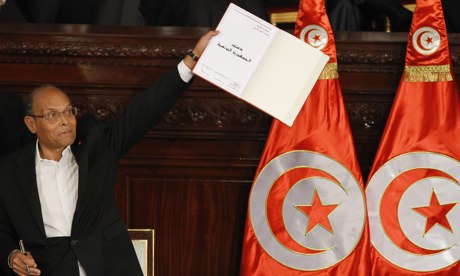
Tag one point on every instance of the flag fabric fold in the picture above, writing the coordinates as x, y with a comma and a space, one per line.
413, 189
307, 213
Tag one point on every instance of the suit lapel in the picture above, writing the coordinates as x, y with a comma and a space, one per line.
27, 177
81, 157
28, 182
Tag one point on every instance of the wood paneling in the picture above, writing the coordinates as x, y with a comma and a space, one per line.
189, 178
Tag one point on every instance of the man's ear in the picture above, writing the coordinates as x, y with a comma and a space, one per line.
30, 123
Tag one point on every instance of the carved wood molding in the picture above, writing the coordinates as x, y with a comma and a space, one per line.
207, 113
215, 113
89, 53
97, 53
81, 41
220, 114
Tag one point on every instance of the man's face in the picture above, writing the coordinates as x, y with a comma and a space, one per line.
52, 135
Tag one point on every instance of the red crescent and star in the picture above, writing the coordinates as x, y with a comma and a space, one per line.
435, 213
317, 213
429, 40
316, 37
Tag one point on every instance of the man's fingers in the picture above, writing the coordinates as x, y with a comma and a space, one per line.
20, 270
203, 42
30, 260
23, 270
24, 264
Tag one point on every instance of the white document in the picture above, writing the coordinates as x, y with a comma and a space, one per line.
261, 64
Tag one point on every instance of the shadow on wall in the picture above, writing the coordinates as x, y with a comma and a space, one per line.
13, 132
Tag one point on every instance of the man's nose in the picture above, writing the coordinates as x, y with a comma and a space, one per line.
63, 119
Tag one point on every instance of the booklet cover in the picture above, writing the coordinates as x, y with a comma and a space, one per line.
261, 64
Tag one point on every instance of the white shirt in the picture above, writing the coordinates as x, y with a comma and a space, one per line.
185, 73
57, 183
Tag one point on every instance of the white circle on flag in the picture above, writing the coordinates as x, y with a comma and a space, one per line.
412, 224
426, 40
347, 219
315, 35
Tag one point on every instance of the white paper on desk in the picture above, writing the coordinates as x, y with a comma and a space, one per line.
261, 64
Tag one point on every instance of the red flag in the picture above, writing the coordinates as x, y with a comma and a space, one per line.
413, 191
306, 208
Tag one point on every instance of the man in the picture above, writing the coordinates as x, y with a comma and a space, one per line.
57, 193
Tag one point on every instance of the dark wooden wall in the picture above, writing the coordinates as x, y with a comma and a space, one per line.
190, 177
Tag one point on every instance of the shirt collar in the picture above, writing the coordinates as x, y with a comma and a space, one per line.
67, 156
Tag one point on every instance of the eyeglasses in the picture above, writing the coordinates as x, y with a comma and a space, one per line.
54, 115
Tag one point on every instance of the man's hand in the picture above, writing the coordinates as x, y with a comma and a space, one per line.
23, 264
199, 48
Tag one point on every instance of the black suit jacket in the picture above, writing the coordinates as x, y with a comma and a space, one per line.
99, 239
